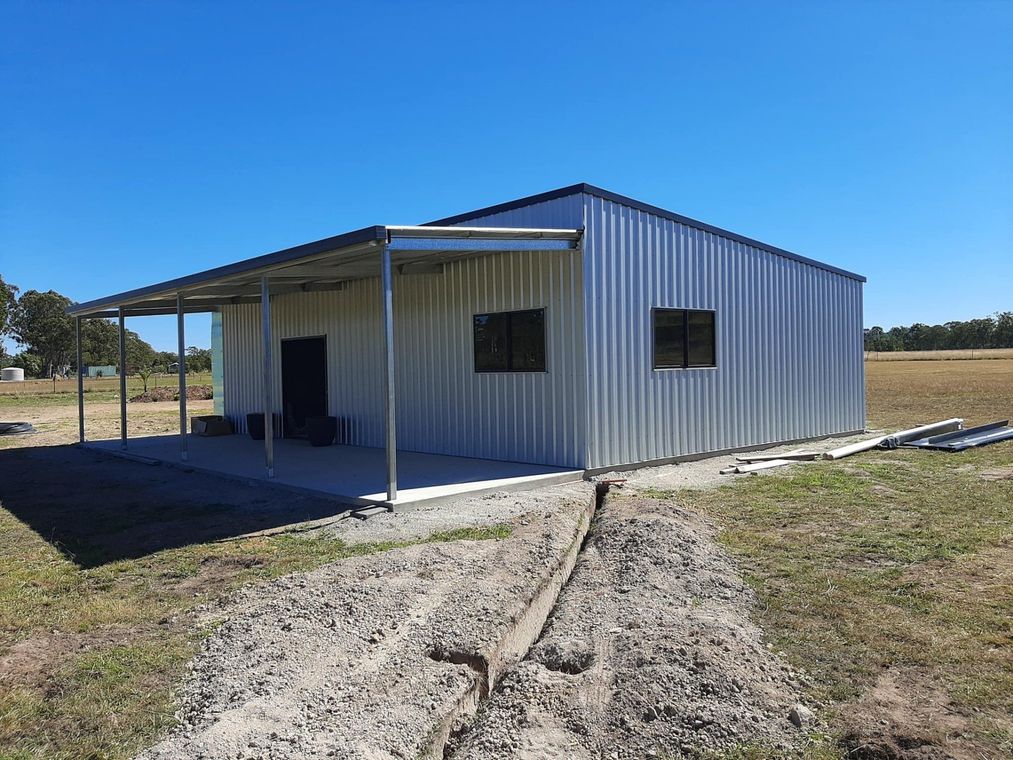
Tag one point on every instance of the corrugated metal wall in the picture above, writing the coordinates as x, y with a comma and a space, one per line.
789, 342
443, 406
789, 346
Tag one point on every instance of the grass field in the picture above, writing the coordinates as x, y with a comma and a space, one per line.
30, 393
960, 353
889, 575
99, 597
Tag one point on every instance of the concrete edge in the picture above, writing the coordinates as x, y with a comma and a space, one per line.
346, 501
537, 481
352, 503
710, 454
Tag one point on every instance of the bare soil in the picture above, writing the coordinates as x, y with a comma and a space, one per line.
649, 652
57, 424
373, 657
649, 649
905, 716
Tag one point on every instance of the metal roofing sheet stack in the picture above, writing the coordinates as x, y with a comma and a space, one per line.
967, 438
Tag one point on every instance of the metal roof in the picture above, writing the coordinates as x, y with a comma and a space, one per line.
327, 264
583, 187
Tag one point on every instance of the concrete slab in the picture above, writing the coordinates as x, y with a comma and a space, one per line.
354, 475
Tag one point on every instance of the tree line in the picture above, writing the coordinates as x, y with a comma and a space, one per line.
987, 332
38, 322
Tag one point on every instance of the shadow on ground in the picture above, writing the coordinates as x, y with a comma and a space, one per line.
97, 509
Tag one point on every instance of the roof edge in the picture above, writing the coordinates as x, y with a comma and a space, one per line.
599, 192
366, 234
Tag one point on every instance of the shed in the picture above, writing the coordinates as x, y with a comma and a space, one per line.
573, 331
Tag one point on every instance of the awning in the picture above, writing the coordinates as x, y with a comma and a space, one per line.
327, 264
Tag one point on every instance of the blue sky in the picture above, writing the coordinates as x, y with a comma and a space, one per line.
141, 141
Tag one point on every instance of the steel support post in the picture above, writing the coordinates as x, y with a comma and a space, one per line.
123, 378
181, 366
388, 344
265, 328
80, 382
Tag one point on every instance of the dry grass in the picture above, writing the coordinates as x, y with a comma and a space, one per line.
97, 385
92, 642
904, 393
91, 650
889, 575
921, 356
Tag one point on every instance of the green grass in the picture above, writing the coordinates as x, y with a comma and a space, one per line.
40, 393
61, 398
900, 560
114, 639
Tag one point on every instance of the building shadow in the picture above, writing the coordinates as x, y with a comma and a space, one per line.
98, 509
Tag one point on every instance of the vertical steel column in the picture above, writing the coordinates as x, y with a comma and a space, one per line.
388, 344
265, 328
181, 344
123, 379
80, 382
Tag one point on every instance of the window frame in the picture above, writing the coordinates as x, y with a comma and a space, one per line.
685, 339
509, 370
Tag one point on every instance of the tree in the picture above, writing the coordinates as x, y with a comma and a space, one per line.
29, 362
8, 302
99, 343
40, 322
198, 359
139, 353
987, 332
145, 374
875, 339
1002, 333
165, 358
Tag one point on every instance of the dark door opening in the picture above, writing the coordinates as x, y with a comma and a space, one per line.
303, 383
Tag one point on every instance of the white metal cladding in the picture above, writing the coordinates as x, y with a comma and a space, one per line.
789, 342
443, 405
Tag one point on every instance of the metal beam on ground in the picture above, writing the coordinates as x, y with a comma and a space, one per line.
181, 363
265, 327
123, 378
387, 300
80, 382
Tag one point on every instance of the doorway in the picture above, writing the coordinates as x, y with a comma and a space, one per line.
303, 383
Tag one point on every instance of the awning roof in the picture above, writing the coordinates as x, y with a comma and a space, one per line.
326, 264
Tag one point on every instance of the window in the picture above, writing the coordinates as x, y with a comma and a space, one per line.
510, 341
684, 338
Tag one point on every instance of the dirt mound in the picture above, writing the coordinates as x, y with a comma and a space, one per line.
649, 652
193, 393
377, 656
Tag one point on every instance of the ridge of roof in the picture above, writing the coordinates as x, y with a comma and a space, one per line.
599, 192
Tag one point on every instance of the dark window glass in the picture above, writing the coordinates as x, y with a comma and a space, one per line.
684, 338
700, 351
527, 341
669, 337
510, 341
491, 340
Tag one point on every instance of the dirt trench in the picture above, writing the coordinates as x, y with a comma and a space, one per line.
602, 628
381, 656
649, 651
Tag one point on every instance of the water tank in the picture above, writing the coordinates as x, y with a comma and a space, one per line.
12, 374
